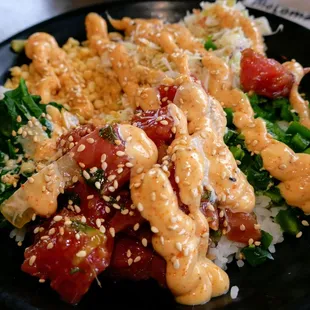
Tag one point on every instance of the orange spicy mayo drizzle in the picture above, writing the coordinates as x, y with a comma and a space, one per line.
181, 239
45, 53
281, 162
300, 105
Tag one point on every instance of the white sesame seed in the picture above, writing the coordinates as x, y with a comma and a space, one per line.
41, 280
36, 230
31, 180
257, 243
107, 209
57, 218
182, 232
75, 179
90, 140
18, 119
61, 231
186, 251
139, 170
164, 122
111, 189
86, 175
106, 198
102, 229
162, 240
68, 223
256, 226
173, 227
140, 207
128, 254
177, 179
90, 197
125, 211
51, 231
136, 226
32, 260
77, 236
83, 219
299, 234
254, 142
111, 177
115, 184
112, 231
116, 206
153, 196
119, 170
221, 213
130, 261
136, 185
137, 259
81, 148
50, 246
305, 223
179, 246
154, 230
176, 264
205, 235
144, 242
82, 165
93, 169
104, 166
98, 185
120, 153
251, 241
242, 227
129, 165
98, 223
282, 167
81, 253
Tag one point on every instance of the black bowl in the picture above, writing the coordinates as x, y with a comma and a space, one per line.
279, 284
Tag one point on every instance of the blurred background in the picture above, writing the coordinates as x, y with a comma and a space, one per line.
17, 15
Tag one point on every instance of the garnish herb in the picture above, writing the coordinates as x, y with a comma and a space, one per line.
108, 134
255, 255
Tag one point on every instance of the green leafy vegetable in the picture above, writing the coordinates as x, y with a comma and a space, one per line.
265, 240
298, 143
97, 178
79, 226
255, 255
215, 235
237, 152
74, 270
229, 116
108, 134
296, 127
206, 195
209, 44
288, 221
275, 195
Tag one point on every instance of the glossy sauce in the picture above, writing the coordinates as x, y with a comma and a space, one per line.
192, 278
300, 105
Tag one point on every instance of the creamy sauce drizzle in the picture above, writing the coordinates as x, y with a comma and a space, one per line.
300, 105
39, 194
292, 172
45, 53
192, 277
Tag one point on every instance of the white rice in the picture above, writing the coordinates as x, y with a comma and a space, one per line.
226, 250
234, 292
